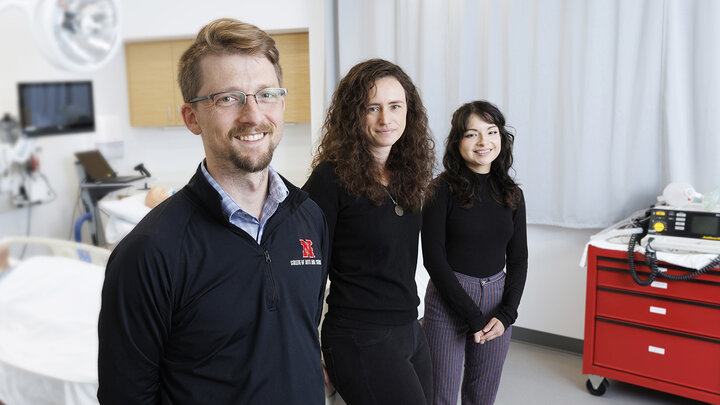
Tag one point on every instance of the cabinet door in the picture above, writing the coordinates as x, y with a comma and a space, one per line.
155, 97
653, 353
295, 63
177, 48
682, 316
151, 88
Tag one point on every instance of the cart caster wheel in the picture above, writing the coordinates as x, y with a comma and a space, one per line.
600, 390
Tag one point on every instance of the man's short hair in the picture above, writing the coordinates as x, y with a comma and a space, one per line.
224, 36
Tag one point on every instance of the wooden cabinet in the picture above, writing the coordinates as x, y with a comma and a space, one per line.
155, 97
153, 91
664, 336
295, 62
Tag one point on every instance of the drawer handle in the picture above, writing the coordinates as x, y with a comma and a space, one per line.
655, 349
658, 310
659, 284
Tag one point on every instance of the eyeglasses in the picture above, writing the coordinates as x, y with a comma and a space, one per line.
266, 98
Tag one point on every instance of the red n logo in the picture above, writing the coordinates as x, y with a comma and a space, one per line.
307, 249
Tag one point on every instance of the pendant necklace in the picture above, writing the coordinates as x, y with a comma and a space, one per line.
398, 209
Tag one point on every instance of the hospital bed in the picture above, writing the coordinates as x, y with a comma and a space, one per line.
120, 215
49, 305
120, 211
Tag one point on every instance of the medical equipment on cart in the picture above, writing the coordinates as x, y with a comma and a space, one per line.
682, 232
19, 167
686, 229
687, 234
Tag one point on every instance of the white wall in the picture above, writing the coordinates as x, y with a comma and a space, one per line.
170, 154
23, 62
554, 298
555, 293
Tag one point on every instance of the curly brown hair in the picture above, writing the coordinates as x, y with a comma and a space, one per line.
345, 142
501, 187
220, 37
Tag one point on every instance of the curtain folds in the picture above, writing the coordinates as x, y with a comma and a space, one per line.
610, 99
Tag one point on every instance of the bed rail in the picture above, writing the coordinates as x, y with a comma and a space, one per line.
64, 248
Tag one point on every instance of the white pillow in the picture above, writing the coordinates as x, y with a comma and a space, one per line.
131, 209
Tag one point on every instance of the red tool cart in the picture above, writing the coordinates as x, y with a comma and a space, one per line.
664, 336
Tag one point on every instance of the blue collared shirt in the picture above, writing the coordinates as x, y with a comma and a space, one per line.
277, 192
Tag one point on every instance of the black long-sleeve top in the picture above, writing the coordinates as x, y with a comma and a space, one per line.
477, 241
196, 311
373, 256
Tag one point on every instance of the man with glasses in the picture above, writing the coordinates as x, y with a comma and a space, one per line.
215, 297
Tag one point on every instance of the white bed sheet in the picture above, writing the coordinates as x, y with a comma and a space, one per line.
123, 215
49, 309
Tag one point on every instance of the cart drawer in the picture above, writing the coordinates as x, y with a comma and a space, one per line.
695, 290
712, 275
684, 360
653, 311
619, 260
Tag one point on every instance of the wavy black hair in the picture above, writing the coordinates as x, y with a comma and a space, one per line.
501, 187
411, 161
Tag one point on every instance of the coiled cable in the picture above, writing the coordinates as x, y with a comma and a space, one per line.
651, 260
631, 262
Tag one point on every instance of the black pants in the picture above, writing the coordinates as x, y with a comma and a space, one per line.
377, 364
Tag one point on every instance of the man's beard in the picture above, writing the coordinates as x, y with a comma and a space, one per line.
255, 163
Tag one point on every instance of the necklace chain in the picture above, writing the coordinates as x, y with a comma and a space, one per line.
389, 195
398, 209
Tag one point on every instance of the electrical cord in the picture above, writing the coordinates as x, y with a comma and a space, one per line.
631, 262
27, 193
638, 223
74, 214
53, 195
651, 261
685, 277
27, 231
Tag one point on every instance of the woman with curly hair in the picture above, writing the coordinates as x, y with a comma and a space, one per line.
370, 173
473, 227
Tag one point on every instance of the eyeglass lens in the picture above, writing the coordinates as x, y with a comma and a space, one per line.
262, 97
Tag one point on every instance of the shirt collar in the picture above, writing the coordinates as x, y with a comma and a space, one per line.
277, 191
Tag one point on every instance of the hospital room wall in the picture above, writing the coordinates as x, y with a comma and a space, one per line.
183, 20
23, 62
171, 154
554, 297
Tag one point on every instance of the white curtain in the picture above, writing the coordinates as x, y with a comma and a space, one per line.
610, 99
691, 99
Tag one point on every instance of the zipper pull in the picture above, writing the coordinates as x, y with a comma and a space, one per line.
267, 256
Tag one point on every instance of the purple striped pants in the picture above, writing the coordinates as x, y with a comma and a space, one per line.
450, 341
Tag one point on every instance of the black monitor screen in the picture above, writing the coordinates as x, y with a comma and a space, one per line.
56, 108
705, 225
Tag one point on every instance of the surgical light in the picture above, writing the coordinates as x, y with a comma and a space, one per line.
75, 35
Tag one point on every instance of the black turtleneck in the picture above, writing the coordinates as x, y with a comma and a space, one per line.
373, 255
477, 241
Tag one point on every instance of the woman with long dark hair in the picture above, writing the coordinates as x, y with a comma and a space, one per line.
473, 227
370, 174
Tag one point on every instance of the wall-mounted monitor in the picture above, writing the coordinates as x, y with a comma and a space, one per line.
54, 108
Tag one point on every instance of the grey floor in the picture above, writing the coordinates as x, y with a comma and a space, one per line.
538, 375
